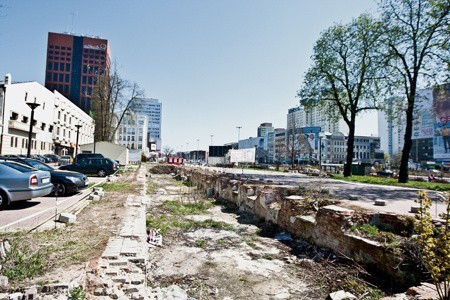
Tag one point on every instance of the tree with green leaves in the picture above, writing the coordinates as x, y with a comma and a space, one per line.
417, 40
344, 78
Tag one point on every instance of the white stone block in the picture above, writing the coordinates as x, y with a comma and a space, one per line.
99, 193
67, 218
94, 197
379, 202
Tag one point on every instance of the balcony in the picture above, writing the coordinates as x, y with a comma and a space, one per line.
19, 125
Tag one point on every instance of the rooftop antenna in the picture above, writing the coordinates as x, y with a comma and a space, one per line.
74, 14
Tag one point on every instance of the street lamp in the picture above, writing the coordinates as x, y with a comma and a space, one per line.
239, 135
33, 106
211, 135
78, 133
321, 135
197, 150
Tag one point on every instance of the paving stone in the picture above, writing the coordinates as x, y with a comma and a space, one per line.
379, 202
15, 296
31, 293
120, 279
3, 281
415, 209
4, 296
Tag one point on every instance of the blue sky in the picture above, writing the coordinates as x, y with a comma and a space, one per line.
213, 64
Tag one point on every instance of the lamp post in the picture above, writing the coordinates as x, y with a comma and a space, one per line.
197, 150
211, 135
239, 135
321, 135
33, 106
78, 133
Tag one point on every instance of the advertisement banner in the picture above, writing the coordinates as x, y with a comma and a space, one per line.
441, 111
243, 155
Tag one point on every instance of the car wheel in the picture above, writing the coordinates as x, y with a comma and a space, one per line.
3, 200
101, 173
60, 189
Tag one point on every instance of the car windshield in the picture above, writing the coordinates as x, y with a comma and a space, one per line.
39, 165
18, 167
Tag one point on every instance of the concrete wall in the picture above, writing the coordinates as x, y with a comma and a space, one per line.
116, 152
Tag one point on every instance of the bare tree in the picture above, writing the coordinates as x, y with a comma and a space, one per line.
417, 36
112, 98
168, 151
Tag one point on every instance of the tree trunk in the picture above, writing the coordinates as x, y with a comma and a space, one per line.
350, 144
403, 172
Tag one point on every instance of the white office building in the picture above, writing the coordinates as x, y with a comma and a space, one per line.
133, 132
55, 120
152, 108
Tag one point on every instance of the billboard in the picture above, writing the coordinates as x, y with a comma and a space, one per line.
441, 111
243, 155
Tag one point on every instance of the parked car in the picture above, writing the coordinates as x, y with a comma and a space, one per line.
53, 157
386, 173
81, 156
65, 182
19, 182
100, 166
64, 160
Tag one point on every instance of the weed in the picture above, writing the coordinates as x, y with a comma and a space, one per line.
179, 208
210, 264
267, 256
365, 228
201, 243
167, 224
122, 187
243, 279
77, 294
20, 266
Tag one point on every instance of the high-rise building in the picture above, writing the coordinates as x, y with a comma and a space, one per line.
74, 64
152, 108
264, 129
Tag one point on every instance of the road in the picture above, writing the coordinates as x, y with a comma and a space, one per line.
398, 199
30, 214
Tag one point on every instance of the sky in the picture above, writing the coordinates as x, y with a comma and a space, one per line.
215, 65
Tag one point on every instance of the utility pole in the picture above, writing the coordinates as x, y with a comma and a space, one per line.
239, 135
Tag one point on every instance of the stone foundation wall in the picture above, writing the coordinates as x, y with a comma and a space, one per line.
326, 227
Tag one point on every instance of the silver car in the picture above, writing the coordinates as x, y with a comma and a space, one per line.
19, 182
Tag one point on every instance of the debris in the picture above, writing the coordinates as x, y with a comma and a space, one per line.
154, 237
341, 295
5, 247
283, 236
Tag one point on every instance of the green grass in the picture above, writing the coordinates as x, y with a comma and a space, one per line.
122, 187
167, 224
179, 208
393, 181
365, 228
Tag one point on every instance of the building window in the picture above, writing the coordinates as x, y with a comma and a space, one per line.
14, 116
24, 119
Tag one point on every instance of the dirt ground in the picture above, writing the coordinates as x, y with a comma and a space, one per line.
238, 257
